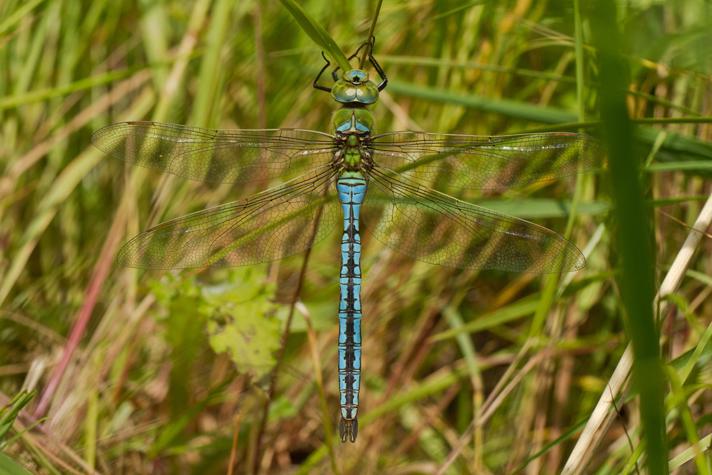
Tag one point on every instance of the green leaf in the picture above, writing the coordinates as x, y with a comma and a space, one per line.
317, 34
242, 321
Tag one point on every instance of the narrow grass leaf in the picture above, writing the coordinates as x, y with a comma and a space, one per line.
700, 165
688, 454
633, 237
500, 316
510, 108
210, 71
317, 33
18, 15
9, 413
540, 208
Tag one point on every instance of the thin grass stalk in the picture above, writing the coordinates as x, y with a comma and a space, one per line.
470, 355
90, 429
326, 419
96, 283
261, 69
185, 50
368, 49
66, 89
488, 411
232, 464
45, 452
566, 364
211, 74
262, 424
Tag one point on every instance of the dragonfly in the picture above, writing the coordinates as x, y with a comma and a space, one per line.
327, 179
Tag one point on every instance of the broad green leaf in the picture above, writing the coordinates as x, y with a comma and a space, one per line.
237, 315
242, 321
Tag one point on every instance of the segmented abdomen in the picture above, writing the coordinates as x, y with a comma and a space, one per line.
351, 190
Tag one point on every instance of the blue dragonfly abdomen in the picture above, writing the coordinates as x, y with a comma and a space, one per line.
351, 188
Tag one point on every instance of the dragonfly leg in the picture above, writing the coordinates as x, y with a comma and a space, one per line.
318, 76
384, 80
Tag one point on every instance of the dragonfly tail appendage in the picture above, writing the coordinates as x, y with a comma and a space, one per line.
348, 429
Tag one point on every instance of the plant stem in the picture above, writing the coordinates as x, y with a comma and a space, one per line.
285, 335
368, 49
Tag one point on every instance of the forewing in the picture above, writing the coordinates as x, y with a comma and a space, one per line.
496, 163
439, 229
270, 225
216, 156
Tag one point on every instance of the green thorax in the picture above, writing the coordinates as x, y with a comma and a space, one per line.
353, 123
353, 126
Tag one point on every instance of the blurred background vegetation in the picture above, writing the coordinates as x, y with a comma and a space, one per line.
464, 372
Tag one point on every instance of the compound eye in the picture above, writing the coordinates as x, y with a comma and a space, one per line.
356, 76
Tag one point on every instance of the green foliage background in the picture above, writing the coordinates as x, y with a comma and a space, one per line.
464, 372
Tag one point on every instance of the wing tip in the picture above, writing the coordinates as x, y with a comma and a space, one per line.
569, 259
98, 135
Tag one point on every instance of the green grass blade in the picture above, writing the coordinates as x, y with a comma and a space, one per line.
693, 165
18, 15
9, 413
514, 311
211, 73
317, 33
65, 89
680, 400
519, 110
689, 454
542, 208
634, 236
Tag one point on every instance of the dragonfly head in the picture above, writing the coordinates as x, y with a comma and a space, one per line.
354, 87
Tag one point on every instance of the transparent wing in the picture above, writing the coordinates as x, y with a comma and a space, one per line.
439, 229
497, 163
215, 156
270, 225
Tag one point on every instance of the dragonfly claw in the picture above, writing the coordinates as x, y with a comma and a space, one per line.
348, 429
